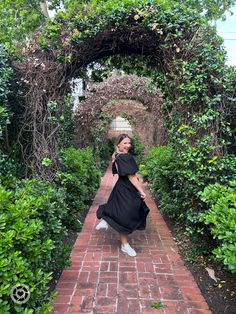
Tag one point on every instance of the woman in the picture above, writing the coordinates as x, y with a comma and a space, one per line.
125, 210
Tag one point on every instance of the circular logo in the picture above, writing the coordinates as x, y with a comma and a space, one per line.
20, 293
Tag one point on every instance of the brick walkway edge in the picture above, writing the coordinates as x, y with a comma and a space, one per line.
102, 279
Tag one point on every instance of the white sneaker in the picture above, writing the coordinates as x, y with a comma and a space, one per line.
126, 248
102, 225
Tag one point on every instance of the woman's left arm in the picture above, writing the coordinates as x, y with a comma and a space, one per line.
135, 181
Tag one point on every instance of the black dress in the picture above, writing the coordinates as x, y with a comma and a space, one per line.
125, 210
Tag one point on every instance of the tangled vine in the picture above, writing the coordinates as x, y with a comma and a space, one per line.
185, 52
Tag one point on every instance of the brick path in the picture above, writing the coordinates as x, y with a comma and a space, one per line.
102, 279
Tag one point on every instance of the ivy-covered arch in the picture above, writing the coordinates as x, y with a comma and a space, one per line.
105, 96
183, 55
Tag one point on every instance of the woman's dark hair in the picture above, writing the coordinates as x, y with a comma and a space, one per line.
120, 138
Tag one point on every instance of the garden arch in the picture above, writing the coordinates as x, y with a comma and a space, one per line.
182, 51
137, 117
127, 95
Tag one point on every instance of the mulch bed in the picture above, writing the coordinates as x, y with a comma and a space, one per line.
220, 296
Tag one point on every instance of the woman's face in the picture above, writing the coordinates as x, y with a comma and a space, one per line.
124, 145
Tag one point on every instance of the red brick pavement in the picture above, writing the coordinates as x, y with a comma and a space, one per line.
102, 279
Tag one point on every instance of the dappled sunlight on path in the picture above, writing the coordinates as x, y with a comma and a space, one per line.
102, 279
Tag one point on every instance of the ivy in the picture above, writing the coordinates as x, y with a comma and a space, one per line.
5, 73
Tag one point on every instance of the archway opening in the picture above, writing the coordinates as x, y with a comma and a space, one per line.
119, 125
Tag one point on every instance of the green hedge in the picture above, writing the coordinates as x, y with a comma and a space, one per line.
80, 177
137, 148
221, 218
34, 216
179, 193
31, 244
51, 209
160, 167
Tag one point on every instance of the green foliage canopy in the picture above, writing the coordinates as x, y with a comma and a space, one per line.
17, 19
212, 9
20, 17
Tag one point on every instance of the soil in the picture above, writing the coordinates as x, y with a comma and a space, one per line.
220, 295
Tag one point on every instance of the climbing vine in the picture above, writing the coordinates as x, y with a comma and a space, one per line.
183, 56
5, 73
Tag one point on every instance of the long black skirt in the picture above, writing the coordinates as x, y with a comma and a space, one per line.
125, 211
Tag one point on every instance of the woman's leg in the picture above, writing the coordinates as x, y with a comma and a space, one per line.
123, 238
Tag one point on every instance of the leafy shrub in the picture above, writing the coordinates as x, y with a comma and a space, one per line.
26, 249
67, 124
50, 207
222, 220
7, 171
226, 170
160, 166
177, 183
99, 141
105, 153
198, 166
3, 119
10, 171
80, 178
137, 148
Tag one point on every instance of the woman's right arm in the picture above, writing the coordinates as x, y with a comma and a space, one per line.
135, 181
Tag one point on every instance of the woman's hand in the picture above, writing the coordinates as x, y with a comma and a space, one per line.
143, 195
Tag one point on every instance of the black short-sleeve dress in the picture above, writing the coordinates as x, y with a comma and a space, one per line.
125, 210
